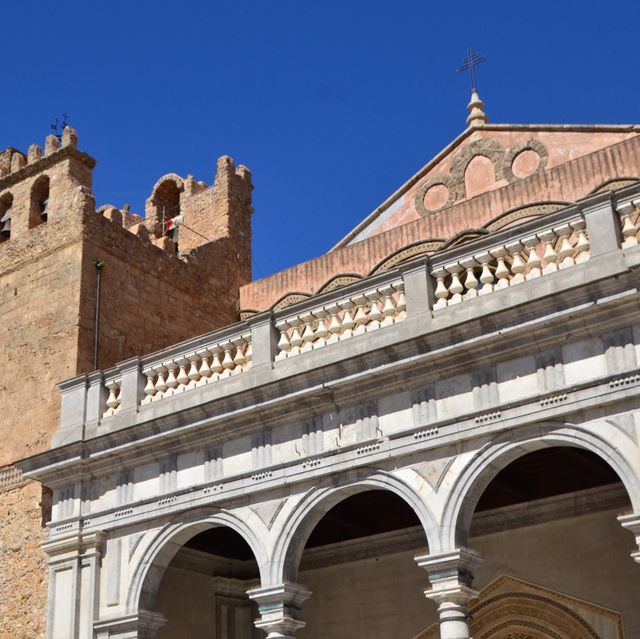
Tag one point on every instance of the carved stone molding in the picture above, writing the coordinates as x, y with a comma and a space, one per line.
514, 152
489, 149
444, 180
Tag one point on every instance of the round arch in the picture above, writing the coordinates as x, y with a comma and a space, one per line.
297, 524
170, 538
476, 475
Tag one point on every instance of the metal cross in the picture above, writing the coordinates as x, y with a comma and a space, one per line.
471, 60
58, 127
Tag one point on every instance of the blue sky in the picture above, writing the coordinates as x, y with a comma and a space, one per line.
332, 105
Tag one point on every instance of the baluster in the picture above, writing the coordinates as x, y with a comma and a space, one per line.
486, 276
582, 246
205, 370
441, 292
630, 229
335, 323
375, 314
248, 351
470, 279
533, 261
227, 361
239, 360
348, 323
502, 272
518, 266
389, 307
565, 250
161, 383
455, 288
296, 338
183, 378
284, 345
322, 332
172, 382
550, 256
360, 317
308, 334
113, 402
216, 365
150, 388
194, 373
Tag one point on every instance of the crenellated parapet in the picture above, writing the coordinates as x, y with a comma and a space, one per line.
92, 286
43, 186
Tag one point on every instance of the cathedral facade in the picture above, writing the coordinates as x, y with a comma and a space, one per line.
432, 431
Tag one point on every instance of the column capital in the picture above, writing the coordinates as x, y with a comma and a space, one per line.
632, 523
141, 625
279, 607
451, 575
80, 543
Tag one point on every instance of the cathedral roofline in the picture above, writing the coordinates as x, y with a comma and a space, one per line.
468, 132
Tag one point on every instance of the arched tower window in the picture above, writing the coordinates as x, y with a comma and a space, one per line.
6, 204
39, 209
167, 201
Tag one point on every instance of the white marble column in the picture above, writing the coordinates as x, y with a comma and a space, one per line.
451, 577
279, 608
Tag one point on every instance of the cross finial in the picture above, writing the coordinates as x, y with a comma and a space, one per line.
470, 62
58, 127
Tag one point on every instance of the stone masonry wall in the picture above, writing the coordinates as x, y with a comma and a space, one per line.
23, 571
150, 299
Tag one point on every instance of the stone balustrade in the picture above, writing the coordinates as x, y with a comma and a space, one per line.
511, 263
630, 222
197, 368
341, 320
415, 291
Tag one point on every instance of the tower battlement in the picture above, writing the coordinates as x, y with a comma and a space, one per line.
82, 288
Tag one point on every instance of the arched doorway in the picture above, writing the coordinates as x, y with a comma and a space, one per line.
202, 590
359, 564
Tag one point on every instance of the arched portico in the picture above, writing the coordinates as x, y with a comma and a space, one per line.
300, 517
280, 599
472, 476
452, 566
171, 538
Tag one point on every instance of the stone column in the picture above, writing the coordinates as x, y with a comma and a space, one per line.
451, 576
279, 608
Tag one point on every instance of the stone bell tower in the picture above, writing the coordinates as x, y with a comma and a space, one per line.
82, 289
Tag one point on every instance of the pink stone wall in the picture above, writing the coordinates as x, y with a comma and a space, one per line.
565, 181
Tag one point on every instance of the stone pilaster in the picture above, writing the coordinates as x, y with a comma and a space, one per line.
74, 577
451, 578
279, 608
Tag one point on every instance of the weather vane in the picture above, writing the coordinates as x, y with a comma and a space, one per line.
471, 60
58, 127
